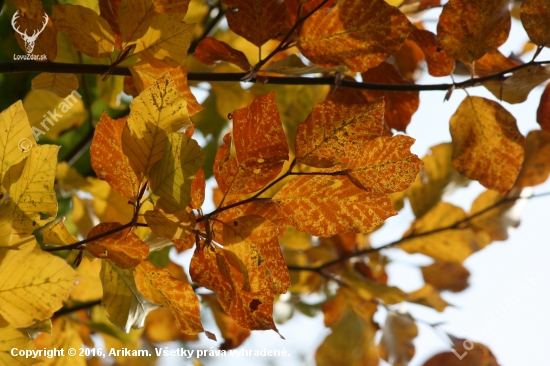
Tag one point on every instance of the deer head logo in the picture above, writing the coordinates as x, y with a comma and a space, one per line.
29, 40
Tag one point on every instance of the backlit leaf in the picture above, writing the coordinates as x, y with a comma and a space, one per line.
124, 248
453, 245
256, 20
60, 84
57, 234
171, 176
385, 165
161, 288
33, 192
209, 51
543, 111
327, 205
536, 165
368, 289
535, 17
399, 106
358, 34
428, 296
33, 285
89, 288
468, 29
31, 18
439, 63
63, 337
89, 33
11, 338
487, 145
158, 110
516, 88
476, 354
197, 190
233, 335
108, 160
446, 276
396, 345
125, 306
15, 127
172, 226
335, 133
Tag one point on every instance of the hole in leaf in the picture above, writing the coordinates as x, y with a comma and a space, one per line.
254, 305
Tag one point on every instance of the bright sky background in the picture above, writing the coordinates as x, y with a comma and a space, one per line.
508, 284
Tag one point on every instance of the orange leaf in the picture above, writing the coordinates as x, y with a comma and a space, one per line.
124, 248
209, 51
494, 62
439, 63
257, 21
335, 133
536, 165
107, 159
161, 288
233, 335
408, 58
326, 205
400, 106
260, 145
355, 33
543, 111
253, 239
178, 225
487, 145
468, 29
535, 17
385, 165
197, 190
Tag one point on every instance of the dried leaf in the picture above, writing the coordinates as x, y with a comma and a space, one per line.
536, 165
535, 17
358, 34
543, 111
487, 145
209, 51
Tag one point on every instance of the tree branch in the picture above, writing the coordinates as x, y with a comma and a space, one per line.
456, 225
63, 68
86, 305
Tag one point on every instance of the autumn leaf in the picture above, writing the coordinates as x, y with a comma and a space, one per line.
125, 306
64, 337
446, 276
353, 33
33, 285
145, 131
89, 33
15, 127
157, 285
198, 190
327, 205
57, 233
123, 247
487, 145
476, 354
89, 288
233, 335
335, 133
396, 345
172, 226
535, 18
209, 51
452, 245
108, 160
32, 191
60, 84
484, 25
172, 175
427, 295
368, 289
34, 20
399, 106
256, 20
12, 338
260, 145
536, 165
543, 114
437, 60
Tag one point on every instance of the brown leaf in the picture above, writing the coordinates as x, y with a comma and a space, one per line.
446, 276
439, 63
408, 59
328, 205
470, 354
109, 161
209, 51
536, 164
487, 145
161, 288
124, 248
543, 111
358, 34
468, 29
335, 133
535, 17
399, 106
257, 21
31, 18
396, 345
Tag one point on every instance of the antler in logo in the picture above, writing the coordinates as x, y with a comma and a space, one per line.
29, 40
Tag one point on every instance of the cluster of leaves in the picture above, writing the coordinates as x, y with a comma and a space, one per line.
306, 173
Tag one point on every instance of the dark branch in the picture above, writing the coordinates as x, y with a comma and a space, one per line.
83, 306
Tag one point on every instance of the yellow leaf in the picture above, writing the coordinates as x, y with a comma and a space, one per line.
89, 288
125, 306
50, 115
453, 245
171, 226
487, 145
134, 19
296, 240
16, 135
158, 285
64, 337
33, 192
89, 33
42, 326
33, 285
158, 110
369, 289
516, 88
57, 234
160, 327
171, 177
11, 338
6, 212
396, 345
60, 84
428, 296
167, 39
